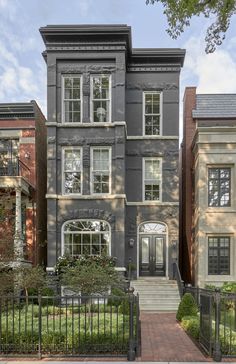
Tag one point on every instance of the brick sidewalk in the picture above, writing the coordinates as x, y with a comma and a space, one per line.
164, 340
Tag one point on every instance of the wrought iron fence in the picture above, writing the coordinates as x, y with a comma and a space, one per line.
70, 325
217, 321
14, 167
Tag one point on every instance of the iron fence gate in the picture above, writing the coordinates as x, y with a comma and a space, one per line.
70, 325
217, 321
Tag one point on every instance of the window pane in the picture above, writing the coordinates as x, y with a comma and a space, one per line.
96, 244
101, 169
72, 93
219, 187
72, 182
152, 114
101, 111
219, 255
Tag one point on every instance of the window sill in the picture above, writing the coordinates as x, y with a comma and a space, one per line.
220, 277
220, 209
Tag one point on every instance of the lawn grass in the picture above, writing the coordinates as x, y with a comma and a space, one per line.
64, 329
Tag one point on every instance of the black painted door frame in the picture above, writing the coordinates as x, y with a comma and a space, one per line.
152, 255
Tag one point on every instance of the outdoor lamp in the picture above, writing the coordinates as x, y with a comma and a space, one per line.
131, 243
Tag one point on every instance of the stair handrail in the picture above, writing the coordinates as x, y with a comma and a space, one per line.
177, 277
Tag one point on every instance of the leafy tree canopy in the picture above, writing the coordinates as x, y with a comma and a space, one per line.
179, 13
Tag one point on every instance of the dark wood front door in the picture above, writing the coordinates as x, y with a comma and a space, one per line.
152, 255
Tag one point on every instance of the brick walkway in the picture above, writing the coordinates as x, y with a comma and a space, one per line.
164, 340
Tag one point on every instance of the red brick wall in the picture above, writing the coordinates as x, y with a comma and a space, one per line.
187, 185
36, 150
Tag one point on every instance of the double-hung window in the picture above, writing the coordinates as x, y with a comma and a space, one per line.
101, 170
101, 98
219, 187
72, 110
219, 255
72, 171
152, 179
152, 105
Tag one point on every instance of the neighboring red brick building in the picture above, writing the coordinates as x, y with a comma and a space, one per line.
23, 180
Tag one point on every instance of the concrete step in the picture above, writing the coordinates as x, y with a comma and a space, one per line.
170, 308
158, 299
157, 294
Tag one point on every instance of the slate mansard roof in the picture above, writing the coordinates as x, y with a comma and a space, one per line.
215, 106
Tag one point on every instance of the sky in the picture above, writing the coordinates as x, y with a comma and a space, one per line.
23, 70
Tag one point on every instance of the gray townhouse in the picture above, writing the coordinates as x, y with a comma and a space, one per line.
112, 147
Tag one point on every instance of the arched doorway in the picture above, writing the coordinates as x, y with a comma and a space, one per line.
152, 249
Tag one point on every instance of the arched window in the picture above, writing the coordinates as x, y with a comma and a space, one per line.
86, 237
152, 228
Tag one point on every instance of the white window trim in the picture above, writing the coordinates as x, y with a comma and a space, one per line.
68, 221
91, 170
63, 173
161, 112
63, 94
143, 179
91, 97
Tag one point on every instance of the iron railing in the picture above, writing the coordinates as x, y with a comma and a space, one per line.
70, 325
177, 277
217, 321
14, 167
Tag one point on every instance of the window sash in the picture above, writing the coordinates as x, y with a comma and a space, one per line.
152, 179
101, 171
219, 255
219, 187
78, 239
72, 176
101, 102
152, 113
86, 243
72, 97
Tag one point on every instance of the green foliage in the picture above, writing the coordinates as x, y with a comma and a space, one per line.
89, 275
90, 279
62, 331
191, 324
65, 262
30, 277
180, 12
229, 287
124, 307
187, 307
114, 299
211, 287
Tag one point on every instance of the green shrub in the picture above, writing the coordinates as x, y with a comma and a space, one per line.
124, 307
211, 287
187, 307
229, 287
114, 299
191, 324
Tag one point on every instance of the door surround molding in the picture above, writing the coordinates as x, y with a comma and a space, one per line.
165, 234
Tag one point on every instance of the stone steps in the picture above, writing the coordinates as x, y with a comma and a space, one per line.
157, 294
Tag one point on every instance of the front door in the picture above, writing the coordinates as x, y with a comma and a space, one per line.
152, 255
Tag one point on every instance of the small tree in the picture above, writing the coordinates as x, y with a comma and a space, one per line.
30, 277
88, 277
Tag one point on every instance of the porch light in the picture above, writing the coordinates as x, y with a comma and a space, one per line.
131, 243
